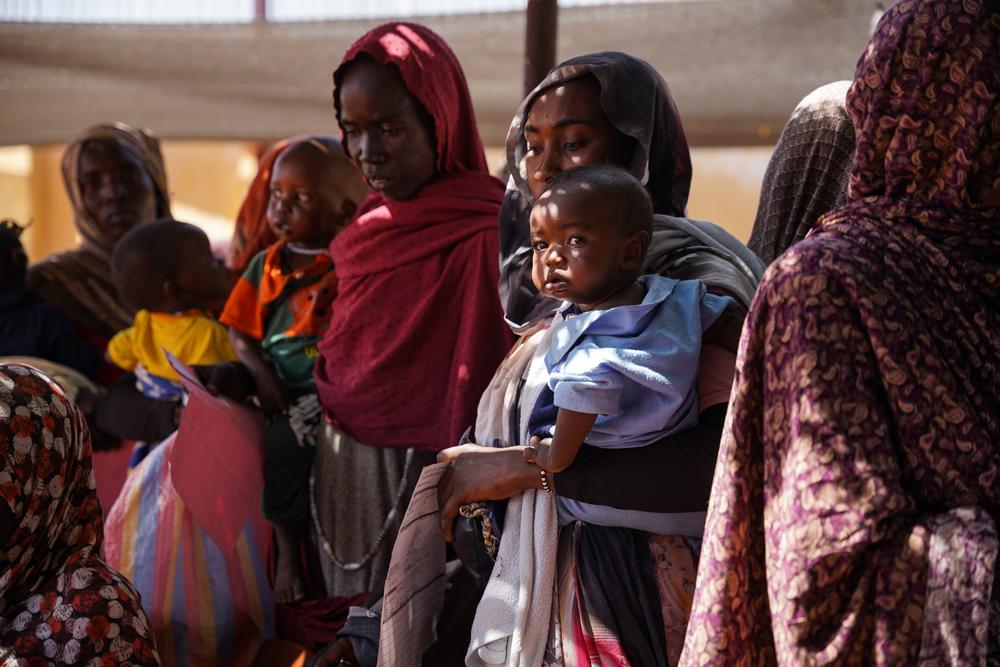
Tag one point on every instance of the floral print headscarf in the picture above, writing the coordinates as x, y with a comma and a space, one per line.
59, 601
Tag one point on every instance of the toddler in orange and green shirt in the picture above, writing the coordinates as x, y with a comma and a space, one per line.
276, 315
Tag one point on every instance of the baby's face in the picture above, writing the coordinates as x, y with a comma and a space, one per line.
578, 255
302, 206
205, 279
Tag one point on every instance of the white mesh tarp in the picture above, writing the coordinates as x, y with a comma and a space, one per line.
737, 68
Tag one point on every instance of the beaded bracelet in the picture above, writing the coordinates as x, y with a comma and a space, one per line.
545, 480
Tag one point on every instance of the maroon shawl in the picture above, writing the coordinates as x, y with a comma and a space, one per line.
417, 330
851, 515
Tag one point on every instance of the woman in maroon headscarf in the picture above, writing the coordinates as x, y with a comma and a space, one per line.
852, 518
417, 329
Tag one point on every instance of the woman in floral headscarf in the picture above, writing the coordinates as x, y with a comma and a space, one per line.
852, 514
115, 179
59, 601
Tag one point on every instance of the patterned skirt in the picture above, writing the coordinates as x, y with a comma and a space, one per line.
624, 597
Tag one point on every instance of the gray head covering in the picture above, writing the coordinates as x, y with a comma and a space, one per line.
808, 172
638, 103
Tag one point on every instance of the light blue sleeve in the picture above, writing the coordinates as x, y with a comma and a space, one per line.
711, 306
584, 382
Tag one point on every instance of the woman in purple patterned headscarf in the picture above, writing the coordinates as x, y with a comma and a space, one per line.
852, 514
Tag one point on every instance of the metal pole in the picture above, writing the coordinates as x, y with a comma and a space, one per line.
541, 27
259, 16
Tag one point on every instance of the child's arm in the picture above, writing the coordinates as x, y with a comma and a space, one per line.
271, 391
571, 430
121, 350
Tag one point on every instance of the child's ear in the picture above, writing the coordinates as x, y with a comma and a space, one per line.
635, 250
172, 292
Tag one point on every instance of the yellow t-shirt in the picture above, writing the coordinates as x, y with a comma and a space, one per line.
192, 336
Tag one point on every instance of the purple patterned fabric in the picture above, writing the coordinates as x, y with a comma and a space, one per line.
852, 514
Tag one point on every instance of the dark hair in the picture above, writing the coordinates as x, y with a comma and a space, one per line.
149, 255
617, 193
13, 260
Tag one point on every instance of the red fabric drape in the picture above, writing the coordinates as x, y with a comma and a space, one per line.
417, 329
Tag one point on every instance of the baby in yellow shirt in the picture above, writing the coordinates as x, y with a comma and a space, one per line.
166, 270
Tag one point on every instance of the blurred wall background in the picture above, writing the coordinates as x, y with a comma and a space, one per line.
208, 180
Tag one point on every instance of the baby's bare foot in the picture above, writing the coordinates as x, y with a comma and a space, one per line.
288, 584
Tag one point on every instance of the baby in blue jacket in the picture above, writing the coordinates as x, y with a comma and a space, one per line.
624, 351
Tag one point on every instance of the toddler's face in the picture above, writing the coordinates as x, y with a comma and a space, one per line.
302, 206
205, 279
579, 256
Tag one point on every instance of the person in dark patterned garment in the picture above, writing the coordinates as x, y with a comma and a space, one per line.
59, 601
852, 518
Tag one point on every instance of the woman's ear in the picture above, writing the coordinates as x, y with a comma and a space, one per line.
344, 215
348, 209
636, 246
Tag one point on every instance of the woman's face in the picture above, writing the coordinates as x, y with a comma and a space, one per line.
387, 132
117, 191
566, 127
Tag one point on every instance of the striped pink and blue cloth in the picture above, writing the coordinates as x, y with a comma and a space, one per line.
188, 532
207, 605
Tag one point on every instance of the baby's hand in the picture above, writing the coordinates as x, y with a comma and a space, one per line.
530, 455
537, 450
230, 379
272, 393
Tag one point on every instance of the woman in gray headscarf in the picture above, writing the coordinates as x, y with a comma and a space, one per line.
626, 115
607, 108
808, 171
